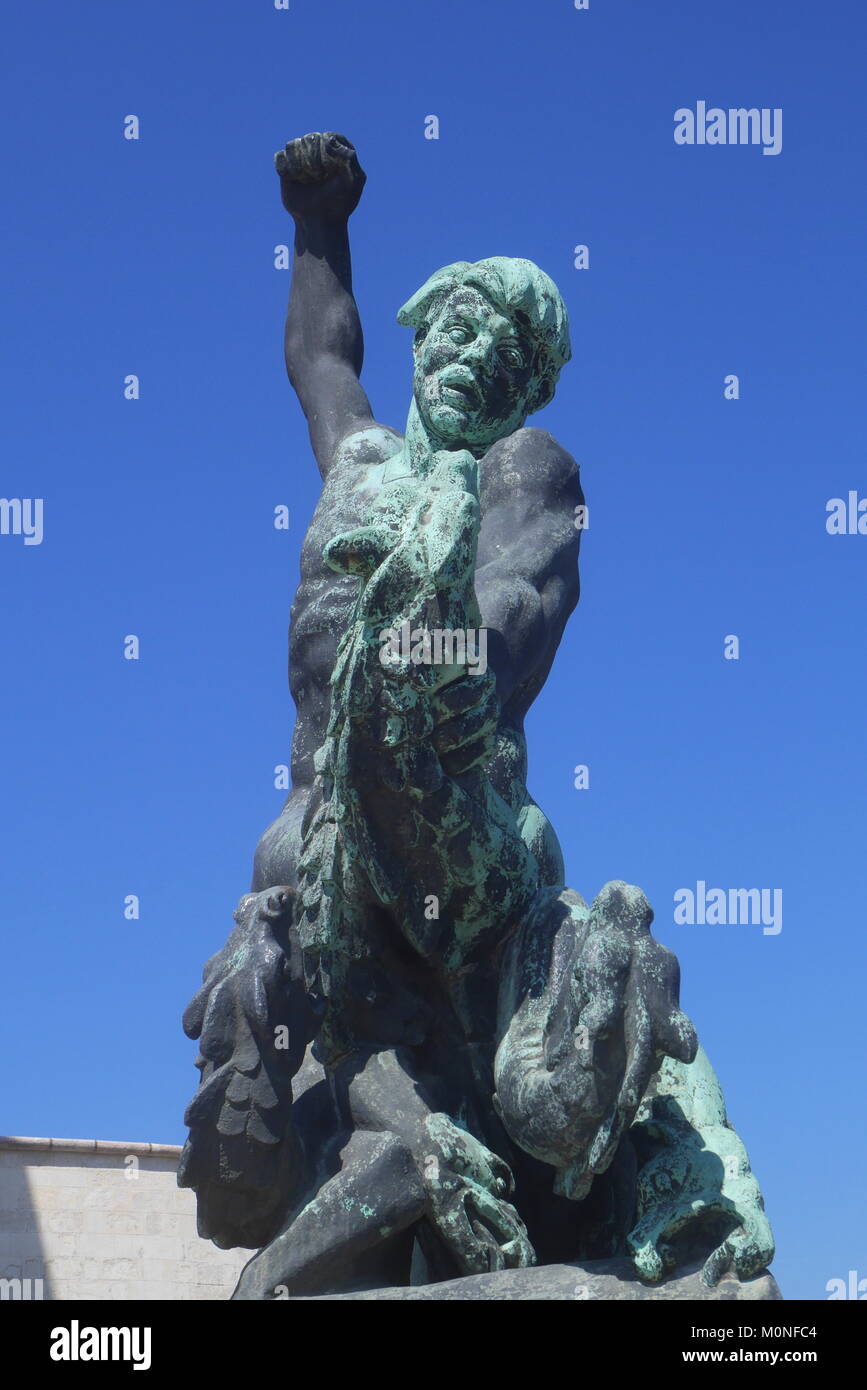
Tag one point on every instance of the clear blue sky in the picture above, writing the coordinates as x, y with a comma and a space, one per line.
707, 516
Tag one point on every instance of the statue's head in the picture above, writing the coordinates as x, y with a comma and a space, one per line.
490, 340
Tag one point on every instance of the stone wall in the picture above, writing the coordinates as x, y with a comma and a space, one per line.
99, 1220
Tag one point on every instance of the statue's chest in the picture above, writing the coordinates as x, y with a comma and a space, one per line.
324, 600
344, 503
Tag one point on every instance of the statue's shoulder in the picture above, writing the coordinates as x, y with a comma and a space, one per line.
365, 447
529, 463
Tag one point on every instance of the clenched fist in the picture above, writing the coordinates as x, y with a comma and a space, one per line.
320, 176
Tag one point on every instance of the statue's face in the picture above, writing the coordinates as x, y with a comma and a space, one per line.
475, 378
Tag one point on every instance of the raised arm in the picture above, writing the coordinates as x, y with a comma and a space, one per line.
321, 182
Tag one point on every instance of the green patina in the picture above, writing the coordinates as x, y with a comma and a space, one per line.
415, 559
533, 1012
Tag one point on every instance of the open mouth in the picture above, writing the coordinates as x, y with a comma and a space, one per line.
460, 393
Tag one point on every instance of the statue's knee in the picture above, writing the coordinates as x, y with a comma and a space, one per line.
276, 856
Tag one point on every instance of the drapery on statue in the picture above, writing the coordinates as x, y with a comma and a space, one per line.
423, 1056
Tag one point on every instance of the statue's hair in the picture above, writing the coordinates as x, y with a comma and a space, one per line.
517, 288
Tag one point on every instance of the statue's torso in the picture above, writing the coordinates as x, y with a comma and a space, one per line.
320, 614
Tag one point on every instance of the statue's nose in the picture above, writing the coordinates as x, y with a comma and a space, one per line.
479, 353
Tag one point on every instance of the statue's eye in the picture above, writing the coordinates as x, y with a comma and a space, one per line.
458, 332
512, 357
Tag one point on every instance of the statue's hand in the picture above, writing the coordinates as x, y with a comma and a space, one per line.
467, 1187
320, 176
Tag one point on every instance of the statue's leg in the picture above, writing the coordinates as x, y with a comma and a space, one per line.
355, 1233
469, 1219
